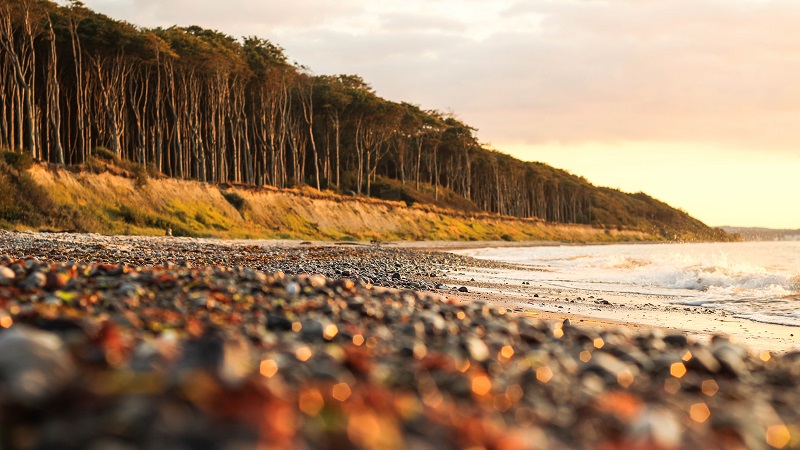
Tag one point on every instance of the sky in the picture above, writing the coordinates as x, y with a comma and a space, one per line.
695, 102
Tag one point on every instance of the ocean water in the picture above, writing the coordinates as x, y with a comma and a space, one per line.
759, 281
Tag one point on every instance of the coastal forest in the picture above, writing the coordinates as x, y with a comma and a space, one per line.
196, 104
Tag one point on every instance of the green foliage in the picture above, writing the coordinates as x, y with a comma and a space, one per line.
133, 216
262, 54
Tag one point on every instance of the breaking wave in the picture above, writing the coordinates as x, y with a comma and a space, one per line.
759, 281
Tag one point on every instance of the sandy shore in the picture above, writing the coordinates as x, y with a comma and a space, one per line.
605, 310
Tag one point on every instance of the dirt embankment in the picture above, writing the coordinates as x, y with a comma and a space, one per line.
109, 203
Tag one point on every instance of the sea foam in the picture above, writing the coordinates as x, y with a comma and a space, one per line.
755, 280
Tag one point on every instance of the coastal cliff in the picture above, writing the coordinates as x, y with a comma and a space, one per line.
112, 203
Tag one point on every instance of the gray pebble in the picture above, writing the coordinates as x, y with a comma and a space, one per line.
34, 365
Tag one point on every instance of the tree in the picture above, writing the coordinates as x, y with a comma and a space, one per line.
199, 104
19, 27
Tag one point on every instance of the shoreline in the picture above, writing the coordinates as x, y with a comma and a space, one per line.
500, 283
701, 324
299, 346
634, 311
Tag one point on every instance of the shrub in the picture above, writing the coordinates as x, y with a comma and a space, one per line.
152, 170
237, 201
133, 216
94, 165
178, 228
104, 153
140, 176
23, 200
19, 161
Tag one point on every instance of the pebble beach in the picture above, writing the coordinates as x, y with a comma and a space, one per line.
142, 342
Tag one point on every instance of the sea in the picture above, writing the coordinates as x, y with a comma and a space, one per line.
759, 281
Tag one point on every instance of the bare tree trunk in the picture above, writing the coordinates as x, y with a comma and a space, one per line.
420, 142
5, 104
435, 169
54, 95
139, 94
112, 78
174, 157
359, 154
23, 62
337, 134
160, 128
307, 103
80, 97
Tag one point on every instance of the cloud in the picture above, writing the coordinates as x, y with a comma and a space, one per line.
719, 72
229, 16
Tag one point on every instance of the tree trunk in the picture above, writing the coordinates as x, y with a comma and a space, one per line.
54, 95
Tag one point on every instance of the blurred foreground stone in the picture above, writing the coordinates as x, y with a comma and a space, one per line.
147, 355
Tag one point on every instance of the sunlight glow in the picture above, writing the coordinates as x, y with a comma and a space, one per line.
716, 185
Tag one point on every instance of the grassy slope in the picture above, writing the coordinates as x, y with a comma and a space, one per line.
114, 204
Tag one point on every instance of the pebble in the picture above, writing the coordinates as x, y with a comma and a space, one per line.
186, 343
730, 360
34, 280
278, 323
6, 276
34, 365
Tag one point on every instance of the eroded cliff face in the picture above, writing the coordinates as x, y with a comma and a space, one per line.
111, 203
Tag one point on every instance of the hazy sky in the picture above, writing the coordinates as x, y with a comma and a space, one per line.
696, 102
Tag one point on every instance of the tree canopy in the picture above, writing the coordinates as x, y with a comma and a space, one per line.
198, 104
